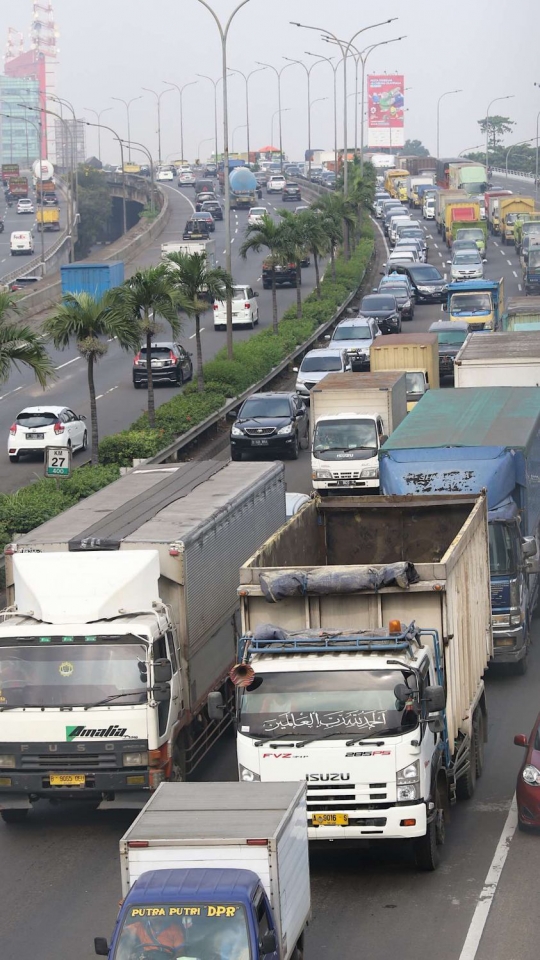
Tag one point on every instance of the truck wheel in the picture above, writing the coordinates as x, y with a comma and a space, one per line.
465, 786
426, 854
14, 816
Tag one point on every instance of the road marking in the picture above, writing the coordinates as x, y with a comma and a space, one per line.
440, 254
225, 251
232, 241
4, 395
520, 287
495, 242
101, 395
62, 365
259, 278
436, 245
4, 260
503, 252
194, 334
513, 271
485, 900
509, 261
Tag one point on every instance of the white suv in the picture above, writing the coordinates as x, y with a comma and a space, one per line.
276, 184
245, 309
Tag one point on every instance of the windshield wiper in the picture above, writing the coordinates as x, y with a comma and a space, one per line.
280, 736
115, 696
376, 734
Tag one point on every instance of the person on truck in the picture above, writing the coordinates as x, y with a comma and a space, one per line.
152, 937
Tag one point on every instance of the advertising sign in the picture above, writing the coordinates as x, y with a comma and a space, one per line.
10, 170
386, 104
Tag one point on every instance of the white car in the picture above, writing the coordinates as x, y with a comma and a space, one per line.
466, 265
186, 179
256, 215
275, 184
428, 210
314, 367
245, 309
25, 206
38, 427
165, 175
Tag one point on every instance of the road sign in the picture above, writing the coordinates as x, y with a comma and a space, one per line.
57, 461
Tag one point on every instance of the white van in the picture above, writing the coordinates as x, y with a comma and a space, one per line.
21, 242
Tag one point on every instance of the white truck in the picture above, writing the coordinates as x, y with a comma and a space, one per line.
224, 871
500, 360
413, 183
351, 416
191, 246
122, 617
366, 632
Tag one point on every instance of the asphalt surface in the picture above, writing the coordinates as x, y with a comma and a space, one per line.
19, 221
119, 404
60, 877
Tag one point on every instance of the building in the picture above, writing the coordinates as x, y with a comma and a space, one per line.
76, 132
19, 126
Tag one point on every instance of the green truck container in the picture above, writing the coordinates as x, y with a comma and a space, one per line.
521, 314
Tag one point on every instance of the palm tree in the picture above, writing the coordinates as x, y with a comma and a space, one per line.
344, 210
20, 345
267, 234
332, 224
318, 241
198, 285
90, 321
149, 297
294, 246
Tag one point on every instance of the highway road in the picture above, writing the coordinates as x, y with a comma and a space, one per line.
60, 870
119, 404
26, 221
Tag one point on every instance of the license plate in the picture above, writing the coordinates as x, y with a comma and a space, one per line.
35, 436
67, 779
330, 819
259, 443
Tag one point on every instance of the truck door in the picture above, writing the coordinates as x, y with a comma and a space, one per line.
265, 926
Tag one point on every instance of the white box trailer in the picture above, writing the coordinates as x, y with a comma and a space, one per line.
222, 827
191, 246
499, 360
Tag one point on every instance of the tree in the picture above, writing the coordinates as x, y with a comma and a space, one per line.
267, 234
414, 148
498, 126
95, 209
198, 285
20, 345
148, 297
318, 241
88, 320
294, 247
333, 224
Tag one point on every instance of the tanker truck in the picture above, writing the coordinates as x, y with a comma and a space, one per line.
243, 188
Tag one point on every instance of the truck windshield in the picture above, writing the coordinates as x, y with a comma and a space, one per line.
71, 671
449, 338
470, 303
346, 701
345, 439
415, 383
470, 234
501, 553
201, 931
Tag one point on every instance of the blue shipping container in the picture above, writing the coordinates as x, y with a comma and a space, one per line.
92, 278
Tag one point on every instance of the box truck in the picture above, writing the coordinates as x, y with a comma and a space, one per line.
500, 360
416, 353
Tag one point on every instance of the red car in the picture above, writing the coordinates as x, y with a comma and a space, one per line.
528, 781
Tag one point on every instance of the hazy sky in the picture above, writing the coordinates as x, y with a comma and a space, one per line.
115, 47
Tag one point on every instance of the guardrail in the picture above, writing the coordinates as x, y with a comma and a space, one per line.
515, 174
31, 265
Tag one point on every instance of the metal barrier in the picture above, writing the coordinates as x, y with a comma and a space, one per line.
34, 264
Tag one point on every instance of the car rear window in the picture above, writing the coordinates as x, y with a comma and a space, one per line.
156, 352
41, 419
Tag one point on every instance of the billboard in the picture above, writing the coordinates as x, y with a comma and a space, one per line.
386, 110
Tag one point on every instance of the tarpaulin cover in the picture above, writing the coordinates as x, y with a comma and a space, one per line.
322, 581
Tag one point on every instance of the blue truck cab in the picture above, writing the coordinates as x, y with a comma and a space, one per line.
466, 440
479, 302
202, 914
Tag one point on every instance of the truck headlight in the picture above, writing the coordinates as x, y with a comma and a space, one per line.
370, 473
284, 431
7, 760
407, 792
321, 475
237, 432
139, 759
248, 776
408, 781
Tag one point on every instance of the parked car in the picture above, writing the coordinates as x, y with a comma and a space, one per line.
291, 191
245, 309
451, 335
46, 426
356, 335
528, 780
316, 364
256, 215
24, 205
383, 307
274, 423
170, 364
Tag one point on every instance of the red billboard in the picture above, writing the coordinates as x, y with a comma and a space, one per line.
386, 105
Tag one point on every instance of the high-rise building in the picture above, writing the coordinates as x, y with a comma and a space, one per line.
77, 133
19, 126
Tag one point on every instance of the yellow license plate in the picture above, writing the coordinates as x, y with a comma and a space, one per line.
330, 819
67, 779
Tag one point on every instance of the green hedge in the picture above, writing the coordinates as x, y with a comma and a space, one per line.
253, 359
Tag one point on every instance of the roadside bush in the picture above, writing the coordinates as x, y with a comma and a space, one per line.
129, 445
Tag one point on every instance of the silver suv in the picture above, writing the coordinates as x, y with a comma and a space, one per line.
356, 335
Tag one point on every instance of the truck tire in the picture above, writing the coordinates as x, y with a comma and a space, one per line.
14, 816
465, 786
426, 854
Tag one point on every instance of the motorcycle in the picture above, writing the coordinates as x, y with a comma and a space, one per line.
1, 226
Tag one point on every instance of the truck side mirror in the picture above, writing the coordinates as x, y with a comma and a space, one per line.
267, 943
215, 705
161, 692
435, 699
162, 671
436, 724
101, 946
528, 547
383, 438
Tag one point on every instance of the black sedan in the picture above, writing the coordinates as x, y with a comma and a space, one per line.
291, 191
428, 283
384, 309
276, 424
214, 207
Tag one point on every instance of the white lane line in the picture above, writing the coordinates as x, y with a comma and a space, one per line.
100, 396
485, 900
508, 261
520, 287
440, 254
495, 242
436, 245
67, 363
225, 251
4, 395
513, 271
193, 335
258, 278
381, 231
4, 260
232, 241
503, 252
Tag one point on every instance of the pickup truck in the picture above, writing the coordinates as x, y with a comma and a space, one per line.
276, 184
48, 219
279, 273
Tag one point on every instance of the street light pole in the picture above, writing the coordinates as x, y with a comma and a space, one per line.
127, 104
518, 144
345, 49
70, 217
158, 97
140, 147
98, 124
223, 33
242, 126
214, 83
278, 75
275, 114
246, 79
180, 93
442, 96
207, 140
496, 100
334, 67
308, 75
74, 160
115, 135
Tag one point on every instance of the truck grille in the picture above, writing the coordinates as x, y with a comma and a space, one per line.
342, 797
260, 431
67, 761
